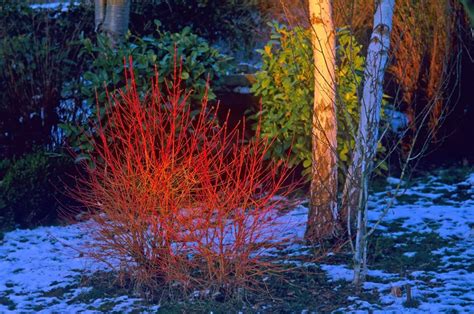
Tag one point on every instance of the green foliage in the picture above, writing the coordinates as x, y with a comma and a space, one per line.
31, 189
230, 21
15, 18
4, 165
469, 6
39, 55
286, 86
199, 61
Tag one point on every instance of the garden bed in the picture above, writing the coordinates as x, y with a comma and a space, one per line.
425, 242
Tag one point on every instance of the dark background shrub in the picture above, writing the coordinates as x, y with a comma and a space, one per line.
151, 54
32, 188
200, 64
39, 55
51, 65
233, 23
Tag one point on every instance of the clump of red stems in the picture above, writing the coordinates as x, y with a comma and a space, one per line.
178, 198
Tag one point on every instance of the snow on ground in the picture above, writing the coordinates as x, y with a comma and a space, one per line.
40, 270
52, 6
430, 228
433, 209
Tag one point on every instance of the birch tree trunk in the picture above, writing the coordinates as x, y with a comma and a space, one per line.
323, 195
99, 13
367, 138
114, 22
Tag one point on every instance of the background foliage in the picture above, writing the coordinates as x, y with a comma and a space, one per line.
286, 86
178, 200
31, 188
39, 55
226, 21
152, 54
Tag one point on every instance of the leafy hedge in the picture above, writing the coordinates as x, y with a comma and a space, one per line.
39, 56
233, 22
151, 54
32, 188
200, 62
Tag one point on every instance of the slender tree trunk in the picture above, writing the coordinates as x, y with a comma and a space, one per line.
114, 22
323, 203
367, 137
99, 12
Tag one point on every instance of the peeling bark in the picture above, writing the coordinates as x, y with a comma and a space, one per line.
355, 190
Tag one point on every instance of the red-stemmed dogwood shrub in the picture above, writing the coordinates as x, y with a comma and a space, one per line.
176, 198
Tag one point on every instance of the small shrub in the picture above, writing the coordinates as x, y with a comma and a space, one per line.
30, 190
176, 199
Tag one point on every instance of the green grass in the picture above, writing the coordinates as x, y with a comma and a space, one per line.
9, 284
461, 194
413, 303
295, 290
453, 175
60, 292
299, 288
378, 184
433, 224
6, 301
408, 199
395, 225
387, 253
92, 294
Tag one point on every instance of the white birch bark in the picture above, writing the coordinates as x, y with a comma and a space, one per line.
323, 204
368, 137
112, 17
99, 13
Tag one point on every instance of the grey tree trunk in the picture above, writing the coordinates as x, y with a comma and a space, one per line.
99, 10
356, 188
112, 17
